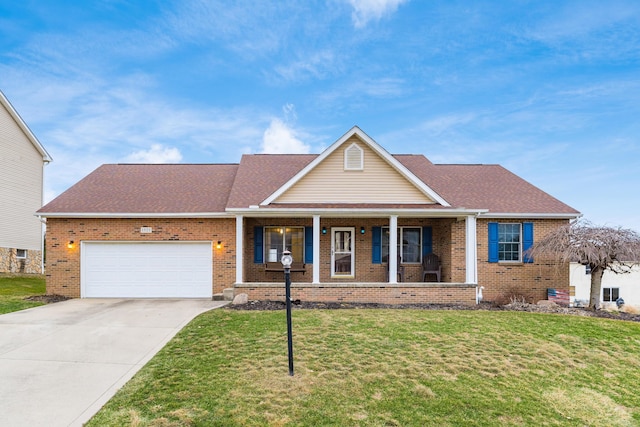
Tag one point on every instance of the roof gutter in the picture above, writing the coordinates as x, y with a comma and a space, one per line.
498, 215
354, 212
134, 215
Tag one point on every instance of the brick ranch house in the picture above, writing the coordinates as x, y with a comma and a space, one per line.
358, 220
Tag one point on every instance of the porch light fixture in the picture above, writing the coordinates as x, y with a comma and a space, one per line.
361, 230
70, 244
219, 244
324, 230
286, 261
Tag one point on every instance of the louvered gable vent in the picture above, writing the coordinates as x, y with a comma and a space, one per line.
353, 158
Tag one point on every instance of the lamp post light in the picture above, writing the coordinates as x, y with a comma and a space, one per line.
286, 261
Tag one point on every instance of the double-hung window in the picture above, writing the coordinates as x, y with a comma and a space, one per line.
277, 239
409, 244
509, 242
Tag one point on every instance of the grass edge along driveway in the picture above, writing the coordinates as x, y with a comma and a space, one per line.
15, 288
386, 368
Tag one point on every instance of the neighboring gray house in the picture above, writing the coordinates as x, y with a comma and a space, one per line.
22, 161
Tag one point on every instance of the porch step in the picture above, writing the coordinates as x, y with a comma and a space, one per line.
228, 294
218, 297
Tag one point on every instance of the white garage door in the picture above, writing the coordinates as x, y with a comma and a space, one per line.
146, 270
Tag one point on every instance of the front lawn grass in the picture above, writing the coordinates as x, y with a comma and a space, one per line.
388, 368
14, 290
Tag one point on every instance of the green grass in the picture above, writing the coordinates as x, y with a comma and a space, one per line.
14, 290
388, 368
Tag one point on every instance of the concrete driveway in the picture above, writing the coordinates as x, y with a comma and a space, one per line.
60, 363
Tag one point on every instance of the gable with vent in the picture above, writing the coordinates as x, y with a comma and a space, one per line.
334, 181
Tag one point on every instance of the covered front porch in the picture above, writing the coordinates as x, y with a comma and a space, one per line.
358, 257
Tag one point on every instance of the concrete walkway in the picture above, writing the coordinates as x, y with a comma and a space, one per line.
60, 363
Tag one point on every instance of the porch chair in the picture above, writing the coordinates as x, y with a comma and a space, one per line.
400, 270
431, 265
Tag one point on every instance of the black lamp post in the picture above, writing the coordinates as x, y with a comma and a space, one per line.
286, 261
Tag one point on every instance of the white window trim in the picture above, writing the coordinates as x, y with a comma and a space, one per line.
21, 257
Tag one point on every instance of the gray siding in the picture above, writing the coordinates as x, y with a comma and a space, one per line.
21, 177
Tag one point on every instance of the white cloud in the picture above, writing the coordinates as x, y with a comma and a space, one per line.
289, 111
315, 64
158, 153
281, 139
368, 10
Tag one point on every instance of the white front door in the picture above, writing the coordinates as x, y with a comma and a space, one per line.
342, 252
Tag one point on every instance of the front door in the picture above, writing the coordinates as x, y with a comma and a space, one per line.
342, 252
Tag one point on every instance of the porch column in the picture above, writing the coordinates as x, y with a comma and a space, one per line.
471, 250
393, 249
316, 249
239, 248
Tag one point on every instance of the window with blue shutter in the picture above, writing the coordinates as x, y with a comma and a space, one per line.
308, 245
258, 247
510, 242
376, 245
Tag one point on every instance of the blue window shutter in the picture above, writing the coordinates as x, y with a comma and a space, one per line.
376, 245
427, 241
308, 245
527, 241
258, 247
493, 242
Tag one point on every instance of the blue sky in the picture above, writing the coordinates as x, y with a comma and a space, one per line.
548, 89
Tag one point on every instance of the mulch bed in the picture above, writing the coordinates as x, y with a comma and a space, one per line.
47, 299
310, 305
557, 309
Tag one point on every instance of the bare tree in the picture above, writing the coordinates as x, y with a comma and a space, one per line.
598, 247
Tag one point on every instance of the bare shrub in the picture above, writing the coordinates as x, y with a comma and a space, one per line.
515, 295
599, 247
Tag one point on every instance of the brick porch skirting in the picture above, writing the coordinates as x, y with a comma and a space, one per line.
382, 293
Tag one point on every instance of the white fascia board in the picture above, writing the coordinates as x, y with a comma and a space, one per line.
134, 215
375, 147
353, 212
497, 215
25, 129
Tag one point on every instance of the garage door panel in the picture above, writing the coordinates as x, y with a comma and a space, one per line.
146, 270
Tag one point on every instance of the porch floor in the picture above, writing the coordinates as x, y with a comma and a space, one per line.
356, 285
370, 292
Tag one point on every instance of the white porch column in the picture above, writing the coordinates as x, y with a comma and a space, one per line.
239, 248
471, 250
316, 249
393, 249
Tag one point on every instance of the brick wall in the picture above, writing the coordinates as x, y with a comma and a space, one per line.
499, 279
400, 294
502, 280
63, 264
